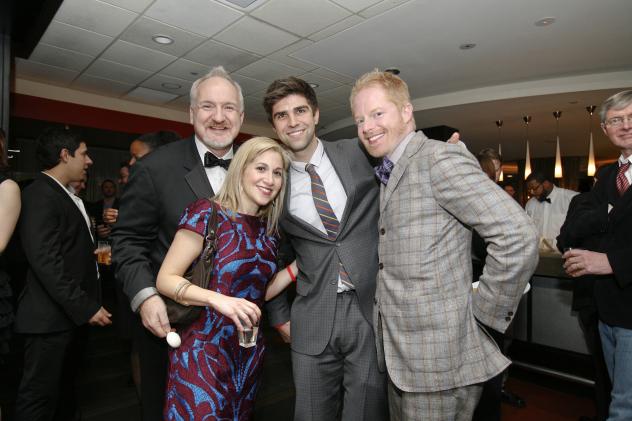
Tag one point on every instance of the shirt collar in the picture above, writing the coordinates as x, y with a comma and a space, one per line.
67, 189
399, 150
623, 160
202, 149
315, 160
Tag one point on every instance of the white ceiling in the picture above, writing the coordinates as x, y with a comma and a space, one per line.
516, 68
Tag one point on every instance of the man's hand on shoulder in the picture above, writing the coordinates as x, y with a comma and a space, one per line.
101, 318
284, 331
153, 313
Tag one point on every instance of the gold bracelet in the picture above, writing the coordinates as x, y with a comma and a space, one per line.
178, 291
182, 291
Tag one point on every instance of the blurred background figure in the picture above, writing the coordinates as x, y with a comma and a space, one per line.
9, 213
510, 189
149, 142
98, 208
123, 174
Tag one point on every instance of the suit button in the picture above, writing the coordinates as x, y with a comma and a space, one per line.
381, 266
507, 319
337, 244
510, 313
382, 231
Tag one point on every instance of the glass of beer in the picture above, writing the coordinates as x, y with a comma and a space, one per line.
104, 253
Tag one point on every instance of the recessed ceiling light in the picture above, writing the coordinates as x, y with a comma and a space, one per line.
169, 85
393, 70
162, 39
314, 85
545, 21
467, 46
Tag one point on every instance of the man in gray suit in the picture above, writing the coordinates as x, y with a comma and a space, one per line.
333, 346
427, 319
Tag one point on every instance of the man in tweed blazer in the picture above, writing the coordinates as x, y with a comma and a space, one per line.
427, 319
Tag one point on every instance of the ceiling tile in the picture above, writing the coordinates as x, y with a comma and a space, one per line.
301, 17
282, 56
137, 56
60, 57
101, 86
356, 5
117, 72
337, 27
158, 81
254, 105
74, 38
95, 16
150, 96
213, 53
42, 72
200, 16
381, 7
321, 71
324, 84
133, 5
141, 32
339, 95
268, 71
253, 35
181, 103
186, 69
248, 85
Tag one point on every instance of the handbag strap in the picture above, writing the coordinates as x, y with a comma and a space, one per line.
210, 239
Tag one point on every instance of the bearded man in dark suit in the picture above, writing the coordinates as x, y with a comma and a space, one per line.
161, 185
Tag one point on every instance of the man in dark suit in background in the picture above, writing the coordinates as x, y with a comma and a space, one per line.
62, 291
334, 359
161, 185
609, 264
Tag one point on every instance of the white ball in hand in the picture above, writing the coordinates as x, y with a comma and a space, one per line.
173, 339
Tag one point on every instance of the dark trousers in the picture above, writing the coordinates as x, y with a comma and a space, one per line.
152, 353
488, 408
47, 389
589, 323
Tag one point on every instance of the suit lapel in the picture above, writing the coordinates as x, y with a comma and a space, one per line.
291, 219
342, 166
400, 168
196, 176
65, 197
621, 204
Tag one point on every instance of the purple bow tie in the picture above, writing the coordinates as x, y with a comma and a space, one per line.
383, 171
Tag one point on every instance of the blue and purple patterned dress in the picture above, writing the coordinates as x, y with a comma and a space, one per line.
210, 376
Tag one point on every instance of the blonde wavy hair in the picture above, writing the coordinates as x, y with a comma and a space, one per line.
229, 195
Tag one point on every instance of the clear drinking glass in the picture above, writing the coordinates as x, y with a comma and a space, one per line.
248, 337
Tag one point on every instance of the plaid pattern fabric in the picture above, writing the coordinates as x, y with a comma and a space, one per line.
425, 313
327, 215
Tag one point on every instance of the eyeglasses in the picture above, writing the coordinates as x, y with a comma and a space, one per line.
618, 121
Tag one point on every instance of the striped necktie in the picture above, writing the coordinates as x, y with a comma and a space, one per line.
327, 216
622, 180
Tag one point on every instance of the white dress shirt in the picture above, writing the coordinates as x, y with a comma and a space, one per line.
301, 200
216, 175
549, 217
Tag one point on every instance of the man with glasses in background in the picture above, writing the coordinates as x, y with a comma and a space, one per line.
608, 213
548, 206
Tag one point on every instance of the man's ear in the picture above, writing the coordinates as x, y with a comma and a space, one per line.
407, 112
64, 155
316, 117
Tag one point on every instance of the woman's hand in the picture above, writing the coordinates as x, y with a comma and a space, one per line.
243, 313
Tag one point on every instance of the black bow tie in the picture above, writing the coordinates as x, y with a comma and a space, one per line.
211, 160
546, 199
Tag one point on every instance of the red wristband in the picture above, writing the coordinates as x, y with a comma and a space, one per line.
289, 271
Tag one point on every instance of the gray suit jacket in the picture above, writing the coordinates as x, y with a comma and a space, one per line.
425, 312
312, 313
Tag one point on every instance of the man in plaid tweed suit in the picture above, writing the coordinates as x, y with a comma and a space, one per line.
427, 319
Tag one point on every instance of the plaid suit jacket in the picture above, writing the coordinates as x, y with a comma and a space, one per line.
426, 314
